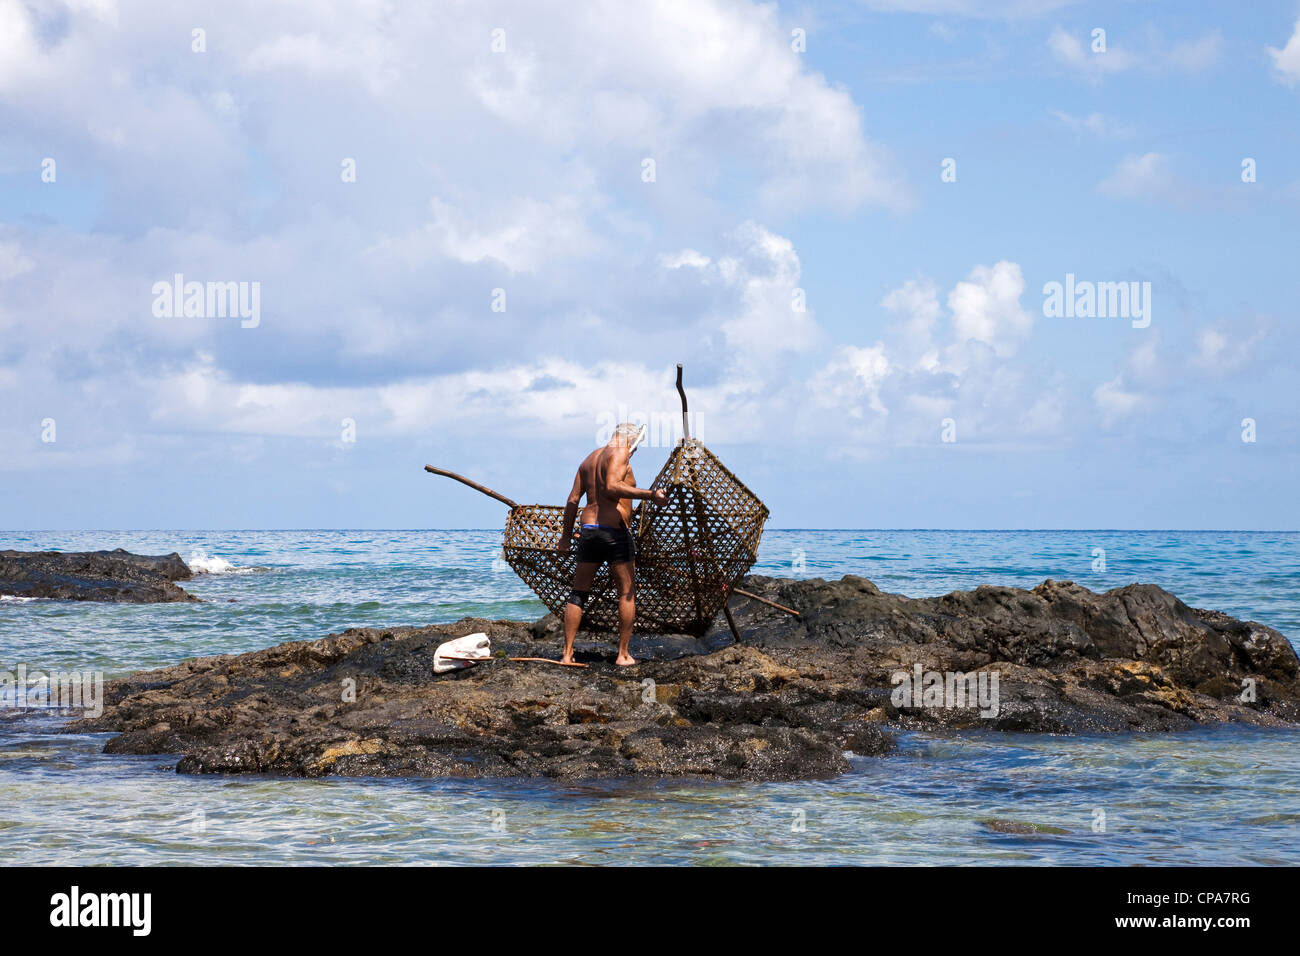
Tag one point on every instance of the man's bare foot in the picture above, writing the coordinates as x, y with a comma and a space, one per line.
567, 658
625, 660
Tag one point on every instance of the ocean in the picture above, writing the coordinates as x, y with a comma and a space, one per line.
1216, 795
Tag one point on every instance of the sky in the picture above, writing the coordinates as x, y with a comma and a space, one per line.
476, 234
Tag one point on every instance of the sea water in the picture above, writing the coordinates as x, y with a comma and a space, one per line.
1223, 794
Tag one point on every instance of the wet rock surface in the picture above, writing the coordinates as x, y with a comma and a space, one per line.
787, 703
113, 576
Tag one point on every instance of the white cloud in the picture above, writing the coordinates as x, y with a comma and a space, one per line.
932, 363
549, 397
12, 261
1115, 401
1097, 124
916, 303
522, 234
1070, 51
975, 9
18, 50
686, 258
1286, 61
715, 65
476, 169
1046, 416
708, 89
1194, 55
1145, 361
1135, 177
1184, 56
1222, 351
853, 377
1212, 344
986, 308
930, 409
305, 51
984, 315
766, 276
473, 168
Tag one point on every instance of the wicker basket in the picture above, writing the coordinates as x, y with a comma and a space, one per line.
689, 552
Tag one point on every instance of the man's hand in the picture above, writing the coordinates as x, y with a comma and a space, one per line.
564, 545
659, 497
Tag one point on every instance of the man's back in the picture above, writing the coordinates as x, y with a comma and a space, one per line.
593, 474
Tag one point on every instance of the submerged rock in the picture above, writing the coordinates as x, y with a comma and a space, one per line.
1018, 828
788, 703
115, 576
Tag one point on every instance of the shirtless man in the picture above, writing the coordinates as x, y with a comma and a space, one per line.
605, 477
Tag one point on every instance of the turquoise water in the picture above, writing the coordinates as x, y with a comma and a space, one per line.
1214, 795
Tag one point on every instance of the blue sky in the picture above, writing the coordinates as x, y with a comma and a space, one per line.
517, 161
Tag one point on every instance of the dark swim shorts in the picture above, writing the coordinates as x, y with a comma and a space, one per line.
598, 543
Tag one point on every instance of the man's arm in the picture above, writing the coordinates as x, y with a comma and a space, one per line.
617, 487
570, 513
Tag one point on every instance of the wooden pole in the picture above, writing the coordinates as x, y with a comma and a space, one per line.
547, 660
473, 484
763, 600
731, 622
686, 422
489, 660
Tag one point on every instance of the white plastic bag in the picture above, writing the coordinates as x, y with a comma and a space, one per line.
471, 645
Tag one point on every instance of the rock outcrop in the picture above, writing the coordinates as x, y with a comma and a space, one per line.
790, 702
117, 576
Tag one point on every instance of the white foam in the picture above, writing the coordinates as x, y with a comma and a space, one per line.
200, 563
15, 599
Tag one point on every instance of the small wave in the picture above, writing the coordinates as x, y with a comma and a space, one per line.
15, 599
200, 563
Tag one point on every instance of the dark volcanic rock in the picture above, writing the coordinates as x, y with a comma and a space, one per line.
94, 576
1068, 660
286, 710
786, 704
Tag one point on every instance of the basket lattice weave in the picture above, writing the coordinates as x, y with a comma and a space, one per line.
689, 552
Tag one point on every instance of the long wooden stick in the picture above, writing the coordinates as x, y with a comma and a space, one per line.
473, 484
547, 660
763, 600
488, 660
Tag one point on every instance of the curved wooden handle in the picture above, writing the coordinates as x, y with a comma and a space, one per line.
686, 425
473, 484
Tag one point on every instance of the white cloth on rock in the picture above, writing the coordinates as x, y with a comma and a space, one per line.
475, 646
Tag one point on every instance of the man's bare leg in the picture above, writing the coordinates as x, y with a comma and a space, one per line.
582, 578
625, 579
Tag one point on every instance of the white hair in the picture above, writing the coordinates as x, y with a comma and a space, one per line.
630, 434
